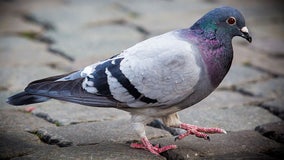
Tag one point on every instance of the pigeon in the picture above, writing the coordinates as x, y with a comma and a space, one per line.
153, 79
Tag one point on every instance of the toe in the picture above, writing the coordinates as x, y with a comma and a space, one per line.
207, 138
223, 131
165, 148
137, 145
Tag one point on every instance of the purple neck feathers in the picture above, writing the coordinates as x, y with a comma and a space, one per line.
217, 53
218, 59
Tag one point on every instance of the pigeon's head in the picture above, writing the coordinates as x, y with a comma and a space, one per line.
223, 22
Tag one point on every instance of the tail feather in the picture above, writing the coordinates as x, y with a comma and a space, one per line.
24, 98
63, 87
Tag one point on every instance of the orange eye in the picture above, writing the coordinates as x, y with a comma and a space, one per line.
231, 20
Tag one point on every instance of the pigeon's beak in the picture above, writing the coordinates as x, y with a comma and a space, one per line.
245, 34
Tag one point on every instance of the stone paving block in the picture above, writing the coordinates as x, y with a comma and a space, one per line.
105, 151
234, 143
273, 65
229, 118
4, 94
226, 98
16, 79
51, 139
64, 113
229, 110
15, 119
76, 15
15, 141
85, 33
269, 88
18, 51
273, 32
217, 112
240, 74
94, 41
22, 7
246, 55
243, 54
231, 156
273, 131
16, 24
17, 144
118, 131
275, 106
82, 62
184, 14
271, 46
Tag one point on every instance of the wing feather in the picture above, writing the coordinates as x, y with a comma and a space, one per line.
70, 91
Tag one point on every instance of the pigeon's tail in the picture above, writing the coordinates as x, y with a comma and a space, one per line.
63, 87
25, 98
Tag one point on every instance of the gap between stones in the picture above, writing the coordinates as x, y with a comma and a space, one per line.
273, 75
50, 139
48, 26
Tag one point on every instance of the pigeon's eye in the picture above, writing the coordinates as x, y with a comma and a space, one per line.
231, 20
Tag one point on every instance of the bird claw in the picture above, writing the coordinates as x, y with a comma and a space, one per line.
198, 131
207, 138
155, 149
176, 138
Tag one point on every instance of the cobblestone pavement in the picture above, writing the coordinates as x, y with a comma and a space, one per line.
44, 38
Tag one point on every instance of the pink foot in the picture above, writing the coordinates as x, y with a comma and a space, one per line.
198, 131
29, 109
153, 149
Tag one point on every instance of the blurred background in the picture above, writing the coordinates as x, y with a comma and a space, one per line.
43, 38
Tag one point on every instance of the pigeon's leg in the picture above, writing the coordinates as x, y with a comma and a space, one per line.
173, 121
160, 125
139, 127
